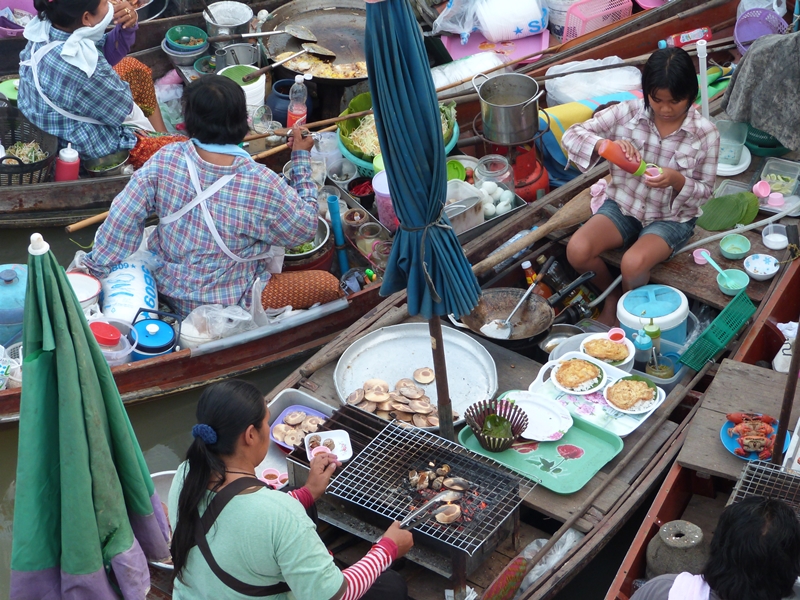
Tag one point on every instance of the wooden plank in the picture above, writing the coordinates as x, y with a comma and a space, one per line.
737, 387
704, 512
637, 465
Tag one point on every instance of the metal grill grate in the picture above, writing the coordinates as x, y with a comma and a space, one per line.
761, 478
374, 480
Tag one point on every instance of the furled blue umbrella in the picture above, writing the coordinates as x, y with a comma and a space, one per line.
426, 257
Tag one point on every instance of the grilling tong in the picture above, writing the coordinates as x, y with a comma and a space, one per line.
424, 512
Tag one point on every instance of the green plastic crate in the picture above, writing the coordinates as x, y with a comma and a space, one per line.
721, 331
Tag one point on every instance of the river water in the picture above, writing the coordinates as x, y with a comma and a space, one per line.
163, 428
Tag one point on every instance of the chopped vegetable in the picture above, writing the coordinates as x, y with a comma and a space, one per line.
497, 426
307, 247
28, 153
362, 189
782, 184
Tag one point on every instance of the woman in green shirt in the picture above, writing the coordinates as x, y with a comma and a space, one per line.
264, 544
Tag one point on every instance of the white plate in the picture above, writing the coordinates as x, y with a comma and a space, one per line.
643, 407
548, 421
620, 364
343, 449
731, 170
556, 365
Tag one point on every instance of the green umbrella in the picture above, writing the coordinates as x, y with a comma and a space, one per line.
86, 515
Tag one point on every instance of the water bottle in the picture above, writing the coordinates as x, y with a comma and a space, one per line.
644, 349
297, 111
684, 38
507, 262
67, 164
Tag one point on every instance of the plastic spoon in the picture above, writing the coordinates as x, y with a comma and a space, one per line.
500, 329
712, 262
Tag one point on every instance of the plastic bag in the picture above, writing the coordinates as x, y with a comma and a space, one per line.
555, 554
458, 17
466, 67
580, 86
214, 321
778, 6
497, 20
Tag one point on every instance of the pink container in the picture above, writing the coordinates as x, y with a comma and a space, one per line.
762, 189
26, 5
616, 335
775, 199
698, 256
386, 214
586, 16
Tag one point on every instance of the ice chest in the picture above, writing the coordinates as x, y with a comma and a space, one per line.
667, 306
13, 282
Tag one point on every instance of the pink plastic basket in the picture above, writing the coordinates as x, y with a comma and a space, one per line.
26, 5
585, 16
755, 23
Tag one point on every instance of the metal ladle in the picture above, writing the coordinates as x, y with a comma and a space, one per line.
315, 49
500, 329
296, 31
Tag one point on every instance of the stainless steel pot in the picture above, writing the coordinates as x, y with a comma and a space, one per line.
232, 17
509, 107
557, 334
153, 9
236, 54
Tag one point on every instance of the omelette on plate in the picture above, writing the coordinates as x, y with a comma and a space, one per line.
606, 350
578, 375
627, 393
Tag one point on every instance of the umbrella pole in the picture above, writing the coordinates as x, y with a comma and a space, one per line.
786, 407
446, 429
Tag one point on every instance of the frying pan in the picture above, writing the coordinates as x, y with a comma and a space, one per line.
308, 48
296, 31
535, 317
340, 28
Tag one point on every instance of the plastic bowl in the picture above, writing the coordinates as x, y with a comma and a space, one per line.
698, 256
174, 34
761, 266
183, 59
737, 278
774, 236
734, 246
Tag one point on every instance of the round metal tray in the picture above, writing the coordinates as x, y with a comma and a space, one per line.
392, 353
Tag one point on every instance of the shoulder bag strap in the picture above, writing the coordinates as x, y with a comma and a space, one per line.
204, 525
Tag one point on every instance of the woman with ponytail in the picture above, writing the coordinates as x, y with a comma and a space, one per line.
68, 86
263, 544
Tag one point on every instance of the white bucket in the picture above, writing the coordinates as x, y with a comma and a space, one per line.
557, 17
254, 93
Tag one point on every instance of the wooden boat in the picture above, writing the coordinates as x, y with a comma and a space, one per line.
699, 495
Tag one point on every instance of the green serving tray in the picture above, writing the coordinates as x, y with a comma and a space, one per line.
564, 466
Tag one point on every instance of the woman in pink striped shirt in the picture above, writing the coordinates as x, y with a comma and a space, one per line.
651, 216
264, 544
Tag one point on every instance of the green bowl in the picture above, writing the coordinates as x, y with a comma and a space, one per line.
737, 278
734, 246
174, 34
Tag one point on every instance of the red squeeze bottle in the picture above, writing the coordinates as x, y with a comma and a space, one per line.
67, 164
614, 153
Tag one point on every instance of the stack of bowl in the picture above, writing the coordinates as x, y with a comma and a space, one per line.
184, 44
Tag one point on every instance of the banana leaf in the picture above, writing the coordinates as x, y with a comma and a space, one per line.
364, 102
725, 212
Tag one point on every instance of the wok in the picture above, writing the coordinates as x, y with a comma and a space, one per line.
533, 318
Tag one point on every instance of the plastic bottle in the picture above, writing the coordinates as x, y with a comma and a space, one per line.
542, 289
509, 261
557, 278
644, 349
297, 111
654, 332
614, 153
684, 38
67, 164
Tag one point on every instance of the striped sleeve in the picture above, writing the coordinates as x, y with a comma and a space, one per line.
363, 574
303, 496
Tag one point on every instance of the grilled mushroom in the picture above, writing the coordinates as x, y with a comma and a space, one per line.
376, 396
376, 384
293, 437
383, 414
424, 480
433, 420
456, 483
384, 406
280, 430
398, 397
413, 477
420, 407
401, 415
420, 420
356, 397
311, 423
314, 441
402, 408
412, 392
448, 513
329, 444
443, 471
367, 406
424, 375
404, 382
295, 417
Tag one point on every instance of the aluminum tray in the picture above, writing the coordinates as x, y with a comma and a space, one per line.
394, 352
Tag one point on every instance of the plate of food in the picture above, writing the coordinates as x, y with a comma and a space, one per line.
548, 421
750, 436
577, 376
633, 395
616, 354
290, 428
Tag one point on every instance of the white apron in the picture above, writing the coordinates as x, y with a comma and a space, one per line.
273, 256
135, 119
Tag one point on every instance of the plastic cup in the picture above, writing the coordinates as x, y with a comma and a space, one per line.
762, 189
320, 450
616, 335
271, 476
775, 199
698, 256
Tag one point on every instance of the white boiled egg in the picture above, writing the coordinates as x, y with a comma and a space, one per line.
503, 208
489, 187
507, 196
488, 210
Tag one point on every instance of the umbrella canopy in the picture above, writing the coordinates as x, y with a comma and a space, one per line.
426, 256
86, 515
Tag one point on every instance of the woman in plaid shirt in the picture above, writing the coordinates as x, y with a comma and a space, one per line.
652, 216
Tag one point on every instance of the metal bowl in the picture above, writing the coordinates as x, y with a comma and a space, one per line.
151, 9
323, 233
106, 165
557, 334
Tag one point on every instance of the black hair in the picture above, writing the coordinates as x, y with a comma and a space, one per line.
604, 106
670, 69
65, 13
214, 110
229, 408
755, 552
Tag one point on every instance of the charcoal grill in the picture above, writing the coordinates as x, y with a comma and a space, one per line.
372, 488
762, 478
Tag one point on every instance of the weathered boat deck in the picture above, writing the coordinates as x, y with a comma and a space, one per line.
737, 387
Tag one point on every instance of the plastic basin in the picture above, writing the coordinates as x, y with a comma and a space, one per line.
737, 279
761, 266
734, 246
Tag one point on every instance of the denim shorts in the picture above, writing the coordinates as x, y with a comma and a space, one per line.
630, 228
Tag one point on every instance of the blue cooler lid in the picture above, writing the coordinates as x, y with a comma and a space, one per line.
154, 336
667, 306
13, 282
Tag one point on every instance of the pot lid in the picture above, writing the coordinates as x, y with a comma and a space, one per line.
154, 336
105, 333
13, 282
654, 301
